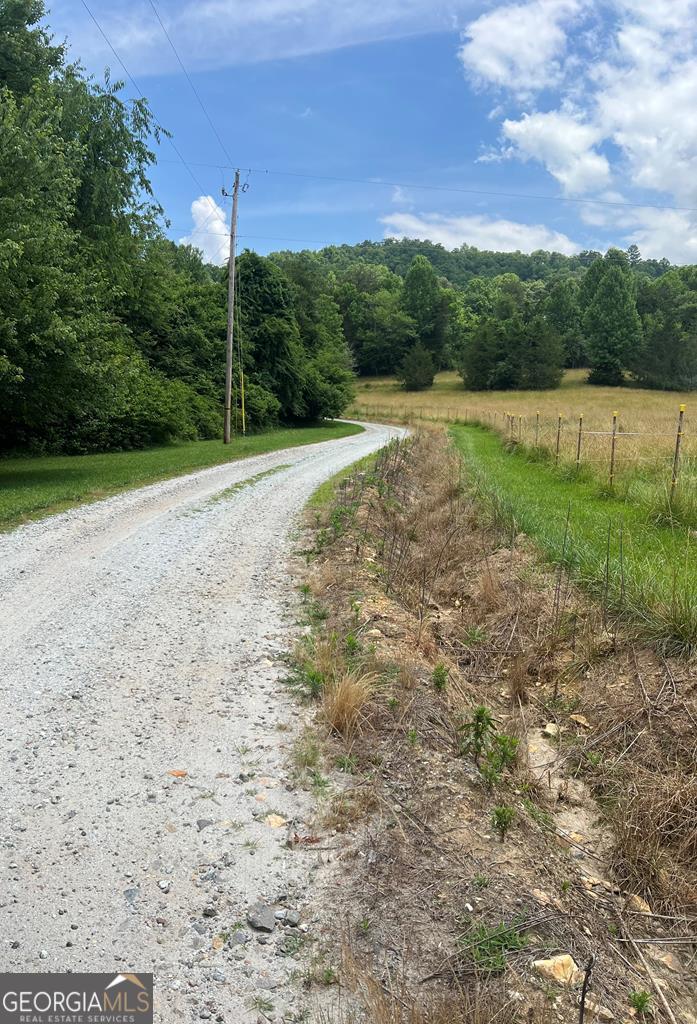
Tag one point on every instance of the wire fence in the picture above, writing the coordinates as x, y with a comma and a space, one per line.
665, 449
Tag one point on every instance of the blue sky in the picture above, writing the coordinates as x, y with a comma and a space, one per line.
588, 100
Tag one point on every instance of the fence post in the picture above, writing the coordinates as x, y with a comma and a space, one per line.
578, 442
676, 457
613, 445
537, 429
556, 454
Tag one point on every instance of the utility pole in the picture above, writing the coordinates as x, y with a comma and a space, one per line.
231, 314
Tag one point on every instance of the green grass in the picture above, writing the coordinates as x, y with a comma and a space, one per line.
650, 577
31, 488
325, 493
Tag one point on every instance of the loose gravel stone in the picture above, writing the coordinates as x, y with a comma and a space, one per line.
262, 917
141, 640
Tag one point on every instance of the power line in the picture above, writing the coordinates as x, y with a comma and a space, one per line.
224, 234
375, 182
382, 183
188, 78
142, 96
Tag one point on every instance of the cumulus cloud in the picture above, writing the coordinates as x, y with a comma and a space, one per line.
565, 145
519, 46
210, 230
479, 231
625, 117
668, 233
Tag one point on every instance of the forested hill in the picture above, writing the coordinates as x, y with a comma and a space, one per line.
462, 264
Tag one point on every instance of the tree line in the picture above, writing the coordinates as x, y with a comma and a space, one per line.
621, 323
625, 318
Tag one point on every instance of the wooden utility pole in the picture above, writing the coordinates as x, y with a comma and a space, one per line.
231, 312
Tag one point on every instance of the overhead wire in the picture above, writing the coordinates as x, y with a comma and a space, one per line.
384, 183
373, 181
142, 96
190, 81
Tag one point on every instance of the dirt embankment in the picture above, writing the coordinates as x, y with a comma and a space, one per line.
514, 790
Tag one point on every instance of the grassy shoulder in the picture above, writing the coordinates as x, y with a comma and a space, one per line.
635, 567
326, 492
31, 488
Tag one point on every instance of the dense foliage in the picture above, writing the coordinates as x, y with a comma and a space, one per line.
625, 318
416, 371
111, 336
460, 265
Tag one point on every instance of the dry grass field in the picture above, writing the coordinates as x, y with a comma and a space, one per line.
646, 420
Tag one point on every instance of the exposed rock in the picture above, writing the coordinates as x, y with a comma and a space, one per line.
636, 902
563, 969
551, 731
580, 720
541, 897
666, 958
203, 823
598, 1011
262, 917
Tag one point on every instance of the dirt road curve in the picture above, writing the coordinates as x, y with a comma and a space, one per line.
141, 636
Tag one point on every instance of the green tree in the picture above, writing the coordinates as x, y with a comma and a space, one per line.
634, 256
563, 312
481, 354
543, 356
417, 371
667, 356
424, 303
612, 326
27, 54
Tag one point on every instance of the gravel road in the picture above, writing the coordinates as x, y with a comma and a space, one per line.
141, 636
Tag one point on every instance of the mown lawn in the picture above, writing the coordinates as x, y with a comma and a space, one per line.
31, 488
650, 575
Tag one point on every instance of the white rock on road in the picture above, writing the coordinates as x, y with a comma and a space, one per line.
140, 636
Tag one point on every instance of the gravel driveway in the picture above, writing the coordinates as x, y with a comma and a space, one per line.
144, 734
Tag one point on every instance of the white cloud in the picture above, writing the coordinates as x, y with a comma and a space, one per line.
401, 196
210, 230
565, 145
668, 233
479, 231
651, 117
519, 46
221, 33
624, 113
